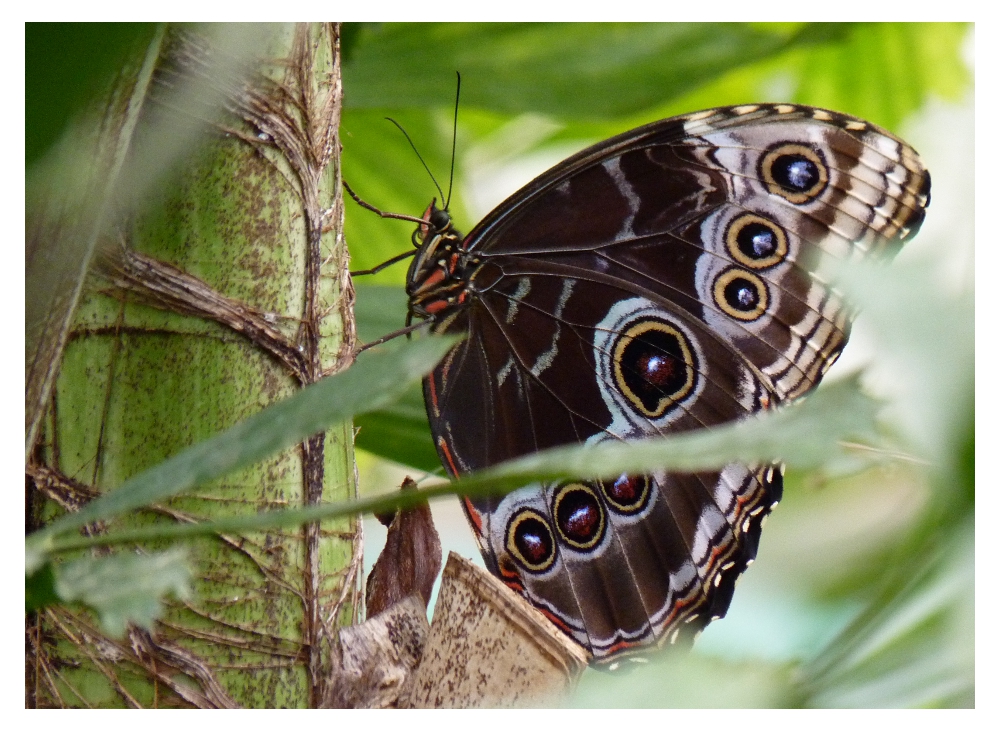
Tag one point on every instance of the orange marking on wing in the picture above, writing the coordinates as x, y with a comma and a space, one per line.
621, 645
678, 607
442, 443
510, 577
506, 572
556, 621
473, 514
716, 552
515, 586
436, 306
434, 396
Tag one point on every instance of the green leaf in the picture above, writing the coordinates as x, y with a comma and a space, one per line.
883, 72
124, 588
927, 338
588, 70
383, 170
378, 309
805, 434
399, 431
674, 680
65, 65
379, 376
40, 588
914, 646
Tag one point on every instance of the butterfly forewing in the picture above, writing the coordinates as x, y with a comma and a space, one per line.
672, 278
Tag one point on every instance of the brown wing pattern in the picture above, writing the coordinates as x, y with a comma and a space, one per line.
672, 278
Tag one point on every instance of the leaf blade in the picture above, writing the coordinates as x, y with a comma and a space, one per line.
378, 377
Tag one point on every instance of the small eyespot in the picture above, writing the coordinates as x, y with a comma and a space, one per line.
756, 242
579, 515
795, 172
628, 494
741, 294
654, 366
529, 541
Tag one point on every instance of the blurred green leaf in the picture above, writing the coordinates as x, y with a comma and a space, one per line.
806, 434
914, 646
378, 309
678, 680
383, 170
379, 376
912, 311
809, 432
124, 588
399, 431
587, 70
883, 72
66, 65
40, 588
70, 194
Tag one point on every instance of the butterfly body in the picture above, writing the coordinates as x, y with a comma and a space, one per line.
672, 278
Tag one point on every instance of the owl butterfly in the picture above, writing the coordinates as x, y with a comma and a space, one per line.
671, 278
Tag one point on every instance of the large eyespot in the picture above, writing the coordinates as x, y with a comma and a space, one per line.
654, 366
579, 515
740, 294
627, 494
795, 172
529, 540
756, 242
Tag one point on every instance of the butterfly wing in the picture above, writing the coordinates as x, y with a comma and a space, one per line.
615, 563
672, 278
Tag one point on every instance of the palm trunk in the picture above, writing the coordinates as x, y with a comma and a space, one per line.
225, 293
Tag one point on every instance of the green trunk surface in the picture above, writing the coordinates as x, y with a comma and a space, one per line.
141, 379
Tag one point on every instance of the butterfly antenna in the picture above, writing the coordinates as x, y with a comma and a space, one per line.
426, 168
454, 138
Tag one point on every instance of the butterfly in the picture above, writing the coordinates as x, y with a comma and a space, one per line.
671, 278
